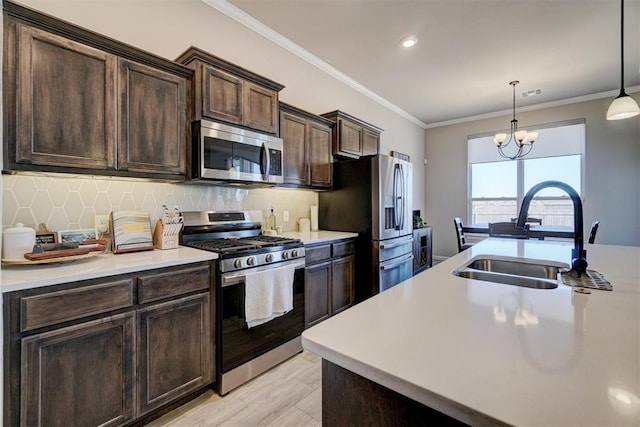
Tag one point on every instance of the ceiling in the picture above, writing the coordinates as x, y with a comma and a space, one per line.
468, 50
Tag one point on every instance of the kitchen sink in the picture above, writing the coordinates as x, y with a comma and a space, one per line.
543, 271
524, 272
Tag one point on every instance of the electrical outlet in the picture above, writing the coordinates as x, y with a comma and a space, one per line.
102, 223
285, 216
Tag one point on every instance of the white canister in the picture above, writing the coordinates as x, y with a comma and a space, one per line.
304, 225
17, 241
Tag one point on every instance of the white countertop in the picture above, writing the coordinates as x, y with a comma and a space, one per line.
451, 343
19, 277
321, 236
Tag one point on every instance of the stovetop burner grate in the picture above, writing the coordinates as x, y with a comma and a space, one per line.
263, 240
223, 245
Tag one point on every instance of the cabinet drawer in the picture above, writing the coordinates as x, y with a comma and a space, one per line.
315, 254
343, 248
163, 285
56, 307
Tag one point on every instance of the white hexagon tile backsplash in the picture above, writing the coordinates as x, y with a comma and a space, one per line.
67, 203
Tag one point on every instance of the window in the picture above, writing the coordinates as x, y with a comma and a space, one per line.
497, 186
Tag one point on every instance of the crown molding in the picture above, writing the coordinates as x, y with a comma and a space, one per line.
267, 32
608, 94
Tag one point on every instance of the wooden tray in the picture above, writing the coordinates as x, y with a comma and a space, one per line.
62, 259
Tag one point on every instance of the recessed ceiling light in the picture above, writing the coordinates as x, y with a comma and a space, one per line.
409, 41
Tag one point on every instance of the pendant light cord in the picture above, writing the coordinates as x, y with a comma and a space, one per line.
621, 46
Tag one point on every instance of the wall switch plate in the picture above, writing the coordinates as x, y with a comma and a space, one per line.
102, 223
285, 216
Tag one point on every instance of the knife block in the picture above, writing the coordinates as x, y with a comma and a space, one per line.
166, 236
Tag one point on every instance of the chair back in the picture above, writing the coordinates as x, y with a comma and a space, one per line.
457, 221
593, 231
530, 220
509, 230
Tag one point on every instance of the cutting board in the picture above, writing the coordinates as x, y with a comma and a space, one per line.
57, 254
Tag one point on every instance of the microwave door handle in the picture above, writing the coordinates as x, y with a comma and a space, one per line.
265, 150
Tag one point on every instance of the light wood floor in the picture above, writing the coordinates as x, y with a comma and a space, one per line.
287, 395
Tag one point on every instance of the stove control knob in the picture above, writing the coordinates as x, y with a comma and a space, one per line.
269, 258
237, 263
285, 255
294, 253
251, 261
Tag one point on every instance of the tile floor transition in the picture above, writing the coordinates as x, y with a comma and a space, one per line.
287, 395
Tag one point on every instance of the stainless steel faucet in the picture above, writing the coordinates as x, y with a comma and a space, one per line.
579, 254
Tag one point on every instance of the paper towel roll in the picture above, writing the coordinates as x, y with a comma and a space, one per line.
314, 218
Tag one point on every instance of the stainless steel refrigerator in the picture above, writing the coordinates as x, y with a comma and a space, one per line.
372, 196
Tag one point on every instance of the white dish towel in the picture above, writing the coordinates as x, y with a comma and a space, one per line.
269, 294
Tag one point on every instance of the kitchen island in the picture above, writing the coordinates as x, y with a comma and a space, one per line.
486, 353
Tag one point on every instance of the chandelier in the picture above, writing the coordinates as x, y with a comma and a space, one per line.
522, 139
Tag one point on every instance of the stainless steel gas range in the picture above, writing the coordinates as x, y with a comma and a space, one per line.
244, 352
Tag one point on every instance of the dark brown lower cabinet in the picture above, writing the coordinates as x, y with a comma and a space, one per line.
317, 293
143, 341
342, 290
174, 350
329, 280
81, 375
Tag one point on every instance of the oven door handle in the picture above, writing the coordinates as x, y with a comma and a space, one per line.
230, 279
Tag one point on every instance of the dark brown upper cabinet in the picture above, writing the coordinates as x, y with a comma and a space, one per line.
57, 124
353, 137
307, 148
225, 92
152, 122
79, 102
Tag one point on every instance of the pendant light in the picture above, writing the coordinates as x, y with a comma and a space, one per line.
623, 106
521, 138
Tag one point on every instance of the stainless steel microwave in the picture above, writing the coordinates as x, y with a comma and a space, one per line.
232, 155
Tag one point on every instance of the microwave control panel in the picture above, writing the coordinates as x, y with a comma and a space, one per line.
275, 161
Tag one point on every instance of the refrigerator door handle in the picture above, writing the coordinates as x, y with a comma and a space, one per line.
396, 198
395, 245
402, 196
396, 264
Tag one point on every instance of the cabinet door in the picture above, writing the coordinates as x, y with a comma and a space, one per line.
350, 140
221, 96
79, 375
260, 108
370, 142
317, 293
293, 131
66, 112
175, 345
342, 290
153, 123
319, 148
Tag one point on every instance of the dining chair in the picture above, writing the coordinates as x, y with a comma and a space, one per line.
508, 230
593, 231
530, 220
462, 241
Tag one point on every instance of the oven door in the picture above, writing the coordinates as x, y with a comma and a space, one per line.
238, 344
